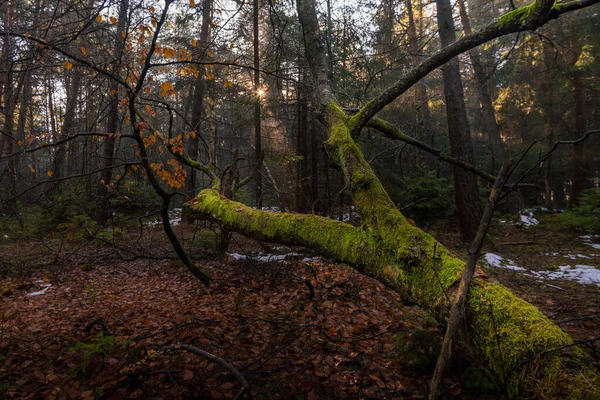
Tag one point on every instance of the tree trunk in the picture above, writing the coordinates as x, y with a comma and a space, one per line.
302, 193
489, 126
68, 124
112, 123
466, 194
198, 94
577, 161
258, 191
10, 95
423, 111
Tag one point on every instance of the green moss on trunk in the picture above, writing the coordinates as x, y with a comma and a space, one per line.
508, 330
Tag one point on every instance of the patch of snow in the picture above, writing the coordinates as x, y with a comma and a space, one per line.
311, 259
45, 288
575, 256
552, 253
527, 218
497, 261
237, 256
274, 209
265, 257
273, 257
174, 218
352, 215
587, 239
586, 274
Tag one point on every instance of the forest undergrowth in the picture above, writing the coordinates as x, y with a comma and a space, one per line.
294, 325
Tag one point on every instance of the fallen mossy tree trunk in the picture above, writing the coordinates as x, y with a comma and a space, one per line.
507, 331
518, 343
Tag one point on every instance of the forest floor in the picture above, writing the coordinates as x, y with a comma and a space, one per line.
295, 325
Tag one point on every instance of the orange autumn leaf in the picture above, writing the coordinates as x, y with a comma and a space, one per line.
50, 173
99, 18
67, 65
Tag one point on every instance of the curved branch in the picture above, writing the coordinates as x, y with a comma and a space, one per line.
153, 354
391, 132
218, 360
526, 18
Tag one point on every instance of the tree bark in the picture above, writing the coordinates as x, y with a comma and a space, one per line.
578, 172
258, 191
112, 123
489, 126
421, 104
74, 83
466, 193
302, 193
198, 94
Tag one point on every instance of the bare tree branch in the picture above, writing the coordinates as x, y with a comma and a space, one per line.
526, 18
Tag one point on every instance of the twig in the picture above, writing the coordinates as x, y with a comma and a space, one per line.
98, 321
575, 343
549, 153
458, 307
206, 355
153, 354
564, 321
528, 242
165, 330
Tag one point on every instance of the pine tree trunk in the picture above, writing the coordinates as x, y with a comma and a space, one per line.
466, 194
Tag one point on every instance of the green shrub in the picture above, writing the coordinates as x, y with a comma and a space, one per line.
425, 197
586, 217
135, 196
79, 227
101, 347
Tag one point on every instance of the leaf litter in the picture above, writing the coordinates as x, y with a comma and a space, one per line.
257, 314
